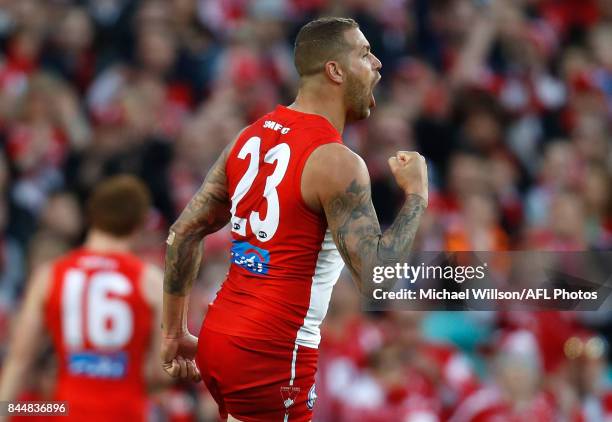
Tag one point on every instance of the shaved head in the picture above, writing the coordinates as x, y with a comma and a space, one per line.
320, 41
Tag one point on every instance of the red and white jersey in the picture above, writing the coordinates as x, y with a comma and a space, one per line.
100, 325
284, 262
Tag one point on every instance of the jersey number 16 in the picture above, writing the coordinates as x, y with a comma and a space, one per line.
87, 309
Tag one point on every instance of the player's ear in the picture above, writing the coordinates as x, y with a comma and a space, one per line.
334, 72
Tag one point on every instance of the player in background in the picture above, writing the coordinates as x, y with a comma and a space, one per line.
299, 203
101, 307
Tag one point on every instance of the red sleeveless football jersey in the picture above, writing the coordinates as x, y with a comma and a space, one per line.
284, 262
100, 326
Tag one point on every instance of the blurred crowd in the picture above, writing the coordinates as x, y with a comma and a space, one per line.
510, 101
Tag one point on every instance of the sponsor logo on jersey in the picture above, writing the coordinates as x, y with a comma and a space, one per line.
98, 365
312, 397
250, 257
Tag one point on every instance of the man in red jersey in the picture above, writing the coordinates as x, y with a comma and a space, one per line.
299, 204
101, 306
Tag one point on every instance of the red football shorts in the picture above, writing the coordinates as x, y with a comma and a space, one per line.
258, 380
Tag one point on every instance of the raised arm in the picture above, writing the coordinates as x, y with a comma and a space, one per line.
344, 194
207, 212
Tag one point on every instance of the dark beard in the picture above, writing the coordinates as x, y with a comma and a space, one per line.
356, 99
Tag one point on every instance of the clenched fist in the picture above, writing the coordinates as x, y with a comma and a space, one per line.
178, 357
410, 171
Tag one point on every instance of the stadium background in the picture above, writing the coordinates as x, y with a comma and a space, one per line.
509, 101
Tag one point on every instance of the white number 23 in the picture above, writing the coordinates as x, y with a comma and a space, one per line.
265, 228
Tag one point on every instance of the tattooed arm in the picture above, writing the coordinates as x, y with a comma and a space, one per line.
207, 212
345, 198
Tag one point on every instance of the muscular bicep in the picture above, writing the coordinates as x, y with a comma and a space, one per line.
209, 209
342, 183
346, 200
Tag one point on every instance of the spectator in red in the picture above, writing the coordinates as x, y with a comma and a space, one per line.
514, 394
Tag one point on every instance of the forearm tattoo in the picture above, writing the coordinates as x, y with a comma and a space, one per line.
207, 212
354, 225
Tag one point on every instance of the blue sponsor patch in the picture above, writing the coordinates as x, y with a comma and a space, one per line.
250, 257
98, 365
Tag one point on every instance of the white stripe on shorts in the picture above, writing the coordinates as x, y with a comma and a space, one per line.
293, 364
293, 359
